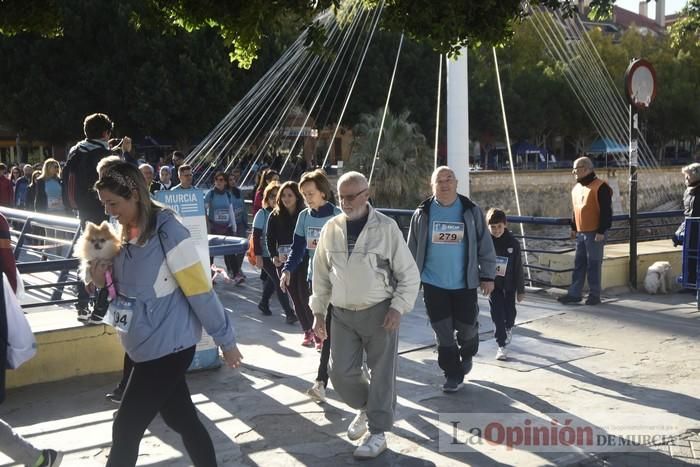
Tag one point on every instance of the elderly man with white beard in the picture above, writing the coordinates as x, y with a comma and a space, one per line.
363, 268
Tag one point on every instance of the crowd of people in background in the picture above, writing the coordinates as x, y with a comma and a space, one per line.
341, 269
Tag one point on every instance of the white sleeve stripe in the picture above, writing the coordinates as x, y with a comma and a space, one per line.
182, 255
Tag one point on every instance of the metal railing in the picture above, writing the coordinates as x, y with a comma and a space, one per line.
44, 243
546, 234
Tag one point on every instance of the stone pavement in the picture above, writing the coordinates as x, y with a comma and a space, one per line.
635, 357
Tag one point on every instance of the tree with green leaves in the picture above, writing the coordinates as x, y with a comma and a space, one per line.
402, 154
443, 25
172, 85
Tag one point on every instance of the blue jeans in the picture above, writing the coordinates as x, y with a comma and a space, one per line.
587, 263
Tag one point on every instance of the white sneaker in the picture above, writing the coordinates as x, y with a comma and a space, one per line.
509, 335
501, 354
358, 426
371, 446
317, 392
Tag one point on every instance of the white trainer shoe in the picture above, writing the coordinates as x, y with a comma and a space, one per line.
501, 354
372, 446
317, 392
358, 426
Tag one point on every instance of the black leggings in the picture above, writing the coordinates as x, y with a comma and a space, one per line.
159, 386
299, 291
322, 374
271, 285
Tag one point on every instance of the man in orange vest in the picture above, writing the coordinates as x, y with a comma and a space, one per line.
592, 203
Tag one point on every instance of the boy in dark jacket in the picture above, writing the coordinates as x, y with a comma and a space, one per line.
510, 283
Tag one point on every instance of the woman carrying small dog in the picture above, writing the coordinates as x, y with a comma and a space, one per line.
164, 298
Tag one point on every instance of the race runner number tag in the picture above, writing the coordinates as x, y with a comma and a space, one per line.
55, 204
120, 312
284, 250
450, 233
221, 216
312, 236
501, 265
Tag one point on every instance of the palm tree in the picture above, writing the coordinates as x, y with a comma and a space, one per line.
404, 161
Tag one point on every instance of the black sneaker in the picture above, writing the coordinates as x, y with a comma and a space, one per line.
592, 300
291, 319
568, 299
84, 315
116, 395
264, 309
50, 458
467, 366
452, 384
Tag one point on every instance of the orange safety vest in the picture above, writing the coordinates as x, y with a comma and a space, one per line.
586, 205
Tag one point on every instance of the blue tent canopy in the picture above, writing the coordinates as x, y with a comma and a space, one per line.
607, 145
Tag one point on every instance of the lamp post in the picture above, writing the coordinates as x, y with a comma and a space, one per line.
640, 88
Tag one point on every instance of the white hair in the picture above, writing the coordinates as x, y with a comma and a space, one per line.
353, 177
145, 165
692, 171
165, 168
442, 168
584, 162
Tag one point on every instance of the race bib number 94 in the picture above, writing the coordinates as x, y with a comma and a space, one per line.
312, 236
120, 312
448, 232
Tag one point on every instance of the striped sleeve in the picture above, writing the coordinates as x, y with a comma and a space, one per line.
195, 283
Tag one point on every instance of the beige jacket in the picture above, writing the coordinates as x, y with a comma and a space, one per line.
380, 267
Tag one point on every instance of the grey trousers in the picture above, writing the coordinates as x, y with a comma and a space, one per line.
354, 332
16, 447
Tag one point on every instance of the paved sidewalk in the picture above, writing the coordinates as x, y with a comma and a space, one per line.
632, 356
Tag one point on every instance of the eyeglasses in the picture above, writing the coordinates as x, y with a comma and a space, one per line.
351, 198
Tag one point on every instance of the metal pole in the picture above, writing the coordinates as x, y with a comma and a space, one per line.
633, 196
458, 120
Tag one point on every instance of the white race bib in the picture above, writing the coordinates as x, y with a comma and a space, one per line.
283, 251
55, 204
312, 236
221, 216
501, 265
120, 313
448, 233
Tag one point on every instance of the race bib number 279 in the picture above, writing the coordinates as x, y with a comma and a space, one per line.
449, 233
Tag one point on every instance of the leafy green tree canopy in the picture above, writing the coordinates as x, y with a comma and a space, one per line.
444, 25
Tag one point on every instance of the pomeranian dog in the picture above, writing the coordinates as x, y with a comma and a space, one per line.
97, 243
659, 278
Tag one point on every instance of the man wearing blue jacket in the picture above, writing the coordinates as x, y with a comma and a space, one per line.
452, 246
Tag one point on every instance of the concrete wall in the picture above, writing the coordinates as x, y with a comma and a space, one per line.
547, 192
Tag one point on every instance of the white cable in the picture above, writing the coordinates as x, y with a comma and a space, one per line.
510, 156
378, 13
386, 109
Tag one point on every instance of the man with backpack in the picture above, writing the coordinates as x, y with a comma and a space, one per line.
79, 176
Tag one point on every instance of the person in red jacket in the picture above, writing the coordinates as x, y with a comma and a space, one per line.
7, 194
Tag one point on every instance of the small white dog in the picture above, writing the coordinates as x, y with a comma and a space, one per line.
659, 278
